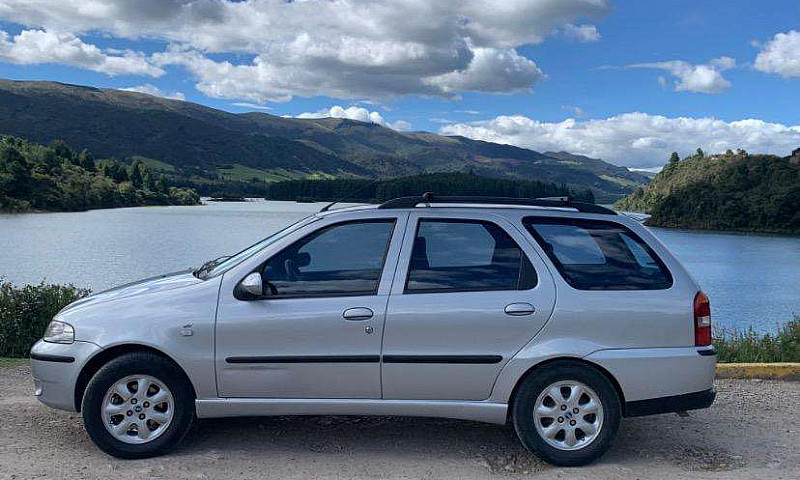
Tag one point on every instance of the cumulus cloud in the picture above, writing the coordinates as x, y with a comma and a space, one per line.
701, 78
634, 139
355, 113
581, 33
46, 46
153, 90
781, 55
351, 49
491, 70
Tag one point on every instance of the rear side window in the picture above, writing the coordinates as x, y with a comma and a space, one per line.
466, 255
598, 255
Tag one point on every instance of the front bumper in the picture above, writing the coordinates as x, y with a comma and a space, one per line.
55, 368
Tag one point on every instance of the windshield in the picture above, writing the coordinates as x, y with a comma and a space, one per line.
227, 262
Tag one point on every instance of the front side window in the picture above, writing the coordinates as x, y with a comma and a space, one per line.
598, 255
466, 255
344, 259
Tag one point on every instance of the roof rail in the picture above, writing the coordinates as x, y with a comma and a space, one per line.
428, 198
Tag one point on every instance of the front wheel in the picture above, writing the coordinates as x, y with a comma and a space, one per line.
138, 405
567, 413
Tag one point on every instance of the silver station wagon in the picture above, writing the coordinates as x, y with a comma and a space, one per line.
557, 317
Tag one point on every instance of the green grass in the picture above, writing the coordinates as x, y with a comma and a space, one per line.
12, 362
750, 347
153, 164
243, 173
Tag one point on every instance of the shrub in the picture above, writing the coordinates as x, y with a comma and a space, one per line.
26, 311
749, 346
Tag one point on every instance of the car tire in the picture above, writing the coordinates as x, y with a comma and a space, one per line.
556, 403
115, 411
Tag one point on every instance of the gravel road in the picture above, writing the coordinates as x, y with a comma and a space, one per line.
752, 432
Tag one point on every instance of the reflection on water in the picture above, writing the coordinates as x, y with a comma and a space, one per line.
751, 279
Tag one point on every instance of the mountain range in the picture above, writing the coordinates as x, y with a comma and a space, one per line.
185, 136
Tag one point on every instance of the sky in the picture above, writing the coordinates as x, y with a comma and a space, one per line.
626, 81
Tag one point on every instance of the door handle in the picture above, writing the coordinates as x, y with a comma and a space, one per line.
357, 313
519, 309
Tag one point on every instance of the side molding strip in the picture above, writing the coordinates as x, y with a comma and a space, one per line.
307, 359
461, 359
52, 358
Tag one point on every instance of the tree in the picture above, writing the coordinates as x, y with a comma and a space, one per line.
15, 173
62, 150
700, 153
161, 184
674, 158
86, 160
136, 174
147, 181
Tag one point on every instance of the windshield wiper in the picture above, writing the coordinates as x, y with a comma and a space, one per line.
203, 269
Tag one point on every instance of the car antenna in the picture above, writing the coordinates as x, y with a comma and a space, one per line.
349, 195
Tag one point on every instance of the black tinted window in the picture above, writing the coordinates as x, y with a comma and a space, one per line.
462, 255
596, 255
341, 259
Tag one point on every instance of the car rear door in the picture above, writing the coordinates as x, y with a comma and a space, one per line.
469, 292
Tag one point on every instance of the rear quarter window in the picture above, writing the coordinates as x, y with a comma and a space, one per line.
599, 255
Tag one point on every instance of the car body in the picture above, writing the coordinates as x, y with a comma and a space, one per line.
420, 334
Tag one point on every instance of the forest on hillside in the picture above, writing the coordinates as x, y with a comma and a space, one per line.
730, 191
56, 178
357, 190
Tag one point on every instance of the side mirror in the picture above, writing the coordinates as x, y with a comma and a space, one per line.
250, 288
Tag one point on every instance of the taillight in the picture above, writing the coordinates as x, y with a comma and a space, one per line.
702, 320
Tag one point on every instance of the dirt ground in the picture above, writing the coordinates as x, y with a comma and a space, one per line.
751, 432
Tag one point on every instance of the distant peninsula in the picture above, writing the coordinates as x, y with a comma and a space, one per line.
734, 191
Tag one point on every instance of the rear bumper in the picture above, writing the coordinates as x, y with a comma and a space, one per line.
675, 403
654, 373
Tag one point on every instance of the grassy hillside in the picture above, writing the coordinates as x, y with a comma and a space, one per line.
196, 141
732, 191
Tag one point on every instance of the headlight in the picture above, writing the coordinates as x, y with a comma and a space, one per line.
59, 332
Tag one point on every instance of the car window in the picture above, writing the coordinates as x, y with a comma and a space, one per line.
466, 255
338, 260
599, 255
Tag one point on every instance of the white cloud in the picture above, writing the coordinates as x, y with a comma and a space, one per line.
352, 49
46, 46
253, 106
355, 113
634, 139
491, 70
700, 78
781, 55
574, 110
581, 33
153, 90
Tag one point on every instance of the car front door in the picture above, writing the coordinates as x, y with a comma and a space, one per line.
470, 291
317, 332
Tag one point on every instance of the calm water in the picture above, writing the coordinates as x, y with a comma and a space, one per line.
752, 280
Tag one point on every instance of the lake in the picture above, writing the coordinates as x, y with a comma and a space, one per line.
752, 280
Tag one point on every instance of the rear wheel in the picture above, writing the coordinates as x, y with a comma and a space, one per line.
567, 413
138, 405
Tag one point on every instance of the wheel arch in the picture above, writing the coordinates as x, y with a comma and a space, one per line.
106, 355
573, 360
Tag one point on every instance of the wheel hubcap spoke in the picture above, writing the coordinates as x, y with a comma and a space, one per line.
562, 420
133, 416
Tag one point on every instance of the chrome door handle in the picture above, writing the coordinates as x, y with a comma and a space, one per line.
519, 309
357, 313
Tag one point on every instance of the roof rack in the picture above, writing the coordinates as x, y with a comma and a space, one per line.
428, 198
